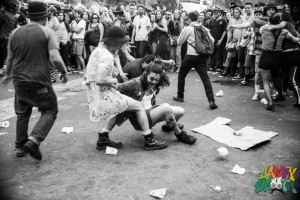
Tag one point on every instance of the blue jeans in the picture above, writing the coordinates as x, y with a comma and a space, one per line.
199, 63
45, 100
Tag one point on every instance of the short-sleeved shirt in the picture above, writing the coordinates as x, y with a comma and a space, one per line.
217, 28
80, 24
141, 27
257, 24
30, 45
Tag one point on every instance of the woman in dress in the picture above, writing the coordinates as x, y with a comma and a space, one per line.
153, 35
163, 47
105, 103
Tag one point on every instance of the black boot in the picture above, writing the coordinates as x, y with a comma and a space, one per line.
166, 128
104, 141
185, 138
153, 144
33, 150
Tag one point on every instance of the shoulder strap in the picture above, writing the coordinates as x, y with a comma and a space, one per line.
276, 35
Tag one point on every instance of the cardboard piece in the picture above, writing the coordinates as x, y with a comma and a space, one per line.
243, 139
67, 130
111, 151
238, 170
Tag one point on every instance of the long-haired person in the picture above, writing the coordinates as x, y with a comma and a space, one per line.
271, 57
175, 27
95, 32
153, 35
163, 47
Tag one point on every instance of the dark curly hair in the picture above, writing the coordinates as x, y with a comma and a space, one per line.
158, 69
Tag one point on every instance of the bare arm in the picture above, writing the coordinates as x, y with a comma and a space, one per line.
240, 26
101, 28
57, 61
119, 68
133, 33
101, 74
77, 30
292, 38
281, 25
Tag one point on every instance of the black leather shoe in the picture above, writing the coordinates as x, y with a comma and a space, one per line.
33, 149
153, 144
212, 105
165, 128
176, 98
185, 138
21, 151
104, 141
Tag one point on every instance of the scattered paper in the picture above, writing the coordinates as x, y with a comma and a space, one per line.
67, 130
111, 151
223, 151
220, 93
238, 170
216, 188
11, 90
264, 101
4, 124
4, 133
160, 193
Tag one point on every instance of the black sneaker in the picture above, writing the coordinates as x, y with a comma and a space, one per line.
33, 150
185, 138
212, 105
153, 144
21, 151
166, 128
176, 98
271, 107
104, 141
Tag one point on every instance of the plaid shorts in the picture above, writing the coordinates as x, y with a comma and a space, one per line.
78, 48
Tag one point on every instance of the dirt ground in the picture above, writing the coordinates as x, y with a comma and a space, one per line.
72, 168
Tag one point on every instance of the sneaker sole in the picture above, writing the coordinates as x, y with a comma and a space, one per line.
104, 147
155, 148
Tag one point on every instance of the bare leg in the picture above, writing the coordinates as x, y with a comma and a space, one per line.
266, 75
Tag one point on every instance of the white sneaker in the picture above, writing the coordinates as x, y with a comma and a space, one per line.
255, 97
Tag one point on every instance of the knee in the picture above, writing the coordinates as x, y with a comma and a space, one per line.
167, 108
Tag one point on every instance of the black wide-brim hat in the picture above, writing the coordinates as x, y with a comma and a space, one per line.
270, 5
115, 36
37, 10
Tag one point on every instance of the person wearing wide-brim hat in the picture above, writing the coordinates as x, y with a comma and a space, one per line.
105, 102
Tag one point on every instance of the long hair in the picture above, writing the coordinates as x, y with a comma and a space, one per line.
180, 19
290, 24
157, 69
94, 14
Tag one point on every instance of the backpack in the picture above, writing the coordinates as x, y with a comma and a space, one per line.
106, 26
203, 44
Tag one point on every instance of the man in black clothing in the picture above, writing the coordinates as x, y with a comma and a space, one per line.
218, 30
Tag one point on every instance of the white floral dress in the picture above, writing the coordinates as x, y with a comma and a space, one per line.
104, 102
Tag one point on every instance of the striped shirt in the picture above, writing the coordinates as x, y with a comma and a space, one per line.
257, 24
268, 38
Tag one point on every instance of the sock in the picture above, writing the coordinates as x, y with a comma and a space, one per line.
256, 88
104, 130
148, 132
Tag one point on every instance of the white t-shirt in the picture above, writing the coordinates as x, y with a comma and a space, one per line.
80, 24
141, 27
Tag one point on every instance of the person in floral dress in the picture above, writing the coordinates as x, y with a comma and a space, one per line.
105, 102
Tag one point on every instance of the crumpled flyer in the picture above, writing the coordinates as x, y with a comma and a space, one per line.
159, 193
220, 93
223, 151
4, 124
3, 133
238, 170
111, 151
67, 130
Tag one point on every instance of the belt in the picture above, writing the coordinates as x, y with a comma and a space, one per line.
289, 50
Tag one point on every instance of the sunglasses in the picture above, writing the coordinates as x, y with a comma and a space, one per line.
95, 18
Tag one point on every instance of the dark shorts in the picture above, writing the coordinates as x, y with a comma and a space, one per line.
270, 60
121, 118
291, 58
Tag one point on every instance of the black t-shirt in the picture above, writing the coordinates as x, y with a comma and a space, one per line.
217, 28
174, 28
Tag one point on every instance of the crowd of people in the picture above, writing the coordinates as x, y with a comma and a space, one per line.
124, 54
